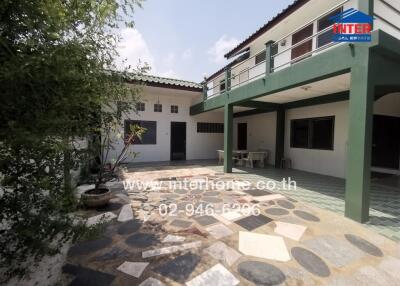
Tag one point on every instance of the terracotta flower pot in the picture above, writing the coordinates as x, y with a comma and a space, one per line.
96, 197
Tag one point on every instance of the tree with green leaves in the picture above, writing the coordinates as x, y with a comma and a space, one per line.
57, 84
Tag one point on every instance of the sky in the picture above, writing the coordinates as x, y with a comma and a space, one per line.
187, 39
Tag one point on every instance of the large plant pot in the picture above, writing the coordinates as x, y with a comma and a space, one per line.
96, 197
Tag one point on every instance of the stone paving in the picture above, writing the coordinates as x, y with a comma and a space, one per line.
163, 236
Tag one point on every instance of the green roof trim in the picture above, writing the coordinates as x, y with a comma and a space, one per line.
158, 81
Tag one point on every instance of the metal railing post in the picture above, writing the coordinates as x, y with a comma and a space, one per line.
205, 90
268, 58
227, 79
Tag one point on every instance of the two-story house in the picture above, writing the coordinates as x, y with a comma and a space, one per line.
333, 108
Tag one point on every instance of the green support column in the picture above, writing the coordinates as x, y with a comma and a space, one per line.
280, 136
228, 137
359, 138
268, 59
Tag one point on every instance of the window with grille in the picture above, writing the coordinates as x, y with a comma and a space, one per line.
140, 106
149, 137
157, 107
174, 108
206, 127
313, 133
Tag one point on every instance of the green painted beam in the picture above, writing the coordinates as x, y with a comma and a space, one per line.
322, 66
335, 61
280, 137
251, 112
208, 105
259, 105
329, 98
228, 137
359, 138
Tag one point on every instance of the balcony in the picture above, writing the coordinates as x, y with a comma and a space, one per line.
308, 40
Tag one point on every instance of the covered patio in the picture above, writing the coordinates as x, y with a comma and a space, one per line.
320, 191
329, 193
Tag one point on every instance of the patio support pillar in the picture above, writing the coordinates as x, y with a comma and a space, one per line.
280, 136
228, 137
268, 59
360, 137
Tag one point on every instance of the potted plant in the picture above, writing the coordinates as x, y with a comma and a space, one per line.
101, 194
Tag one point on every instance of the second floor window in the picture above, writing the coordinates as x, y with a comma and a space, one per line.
303, 50
157, 107
174, 108
326, 37
140, 106
222, 85
260, 57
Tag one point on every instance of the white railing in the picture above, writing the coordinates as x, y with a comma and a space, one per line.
246, 71
387, 16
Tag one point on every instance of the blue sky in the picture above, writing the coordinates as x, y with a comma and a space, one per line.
187, 38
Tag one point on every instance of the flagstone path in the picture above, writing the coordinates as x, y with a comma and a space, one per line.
153, 238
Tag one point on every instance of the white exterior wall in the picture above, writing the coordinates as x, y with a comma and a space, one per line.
198, 145
310, 11
327, 162
261, 133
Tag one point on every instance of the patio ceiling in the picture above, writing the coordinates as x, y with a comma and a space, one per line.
331, 85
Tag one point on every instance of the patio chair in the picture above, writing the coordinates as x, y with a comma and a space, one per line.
254, 157
266, 155
220, 156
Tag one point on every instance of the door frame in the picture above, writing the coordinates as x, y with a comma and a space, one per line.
385, 170
238, 137
170, 143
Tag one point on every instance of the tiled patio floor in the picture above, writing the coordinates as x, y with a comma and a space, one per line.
288, 243
328, 193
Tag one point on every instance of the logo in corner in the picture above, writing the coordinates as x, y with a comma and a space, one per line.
352, 26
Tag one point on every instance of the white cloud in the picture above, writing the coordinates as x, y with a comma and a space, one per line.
169, 60
221, 47
133, 48
187, 54
169, 73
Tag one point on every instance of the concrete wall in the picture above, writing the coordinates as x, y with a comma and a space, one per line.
261, 131
327, 162
198, 145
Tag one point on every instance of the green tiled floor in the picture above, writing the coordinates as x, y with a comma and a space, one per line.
321, 191
328, 193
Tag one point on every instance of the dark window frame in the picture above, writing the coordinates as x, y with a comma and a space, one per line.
260, 57
140, 106
303, 50
322, 24
157, 107
222, 85
310, 133
210, 127
149, 137
174, 109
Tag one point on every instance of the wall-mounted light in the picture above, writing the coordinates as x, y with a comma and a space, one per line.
283, 43
306, 87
